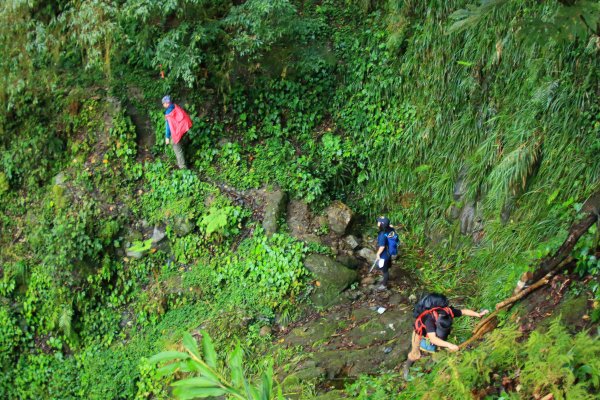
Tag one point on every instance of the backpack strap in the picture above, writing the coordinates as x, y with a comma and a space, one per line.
420, 325
387, 243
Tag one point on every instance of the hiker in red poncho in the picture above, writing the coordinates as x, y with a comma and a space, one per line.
177, 123
433, 323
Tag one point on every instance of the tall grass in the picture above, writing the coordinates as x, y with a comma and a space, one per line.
521, 119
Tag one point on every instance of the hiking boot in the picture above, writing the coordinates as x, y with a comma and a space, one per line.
381, 288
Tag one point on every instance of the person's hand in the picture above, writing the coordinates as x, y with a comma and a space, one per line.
484, 312
167, 141
452, 348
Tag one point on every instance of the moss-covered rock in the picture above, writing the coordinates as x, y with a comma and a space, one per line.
332, 279
275, 202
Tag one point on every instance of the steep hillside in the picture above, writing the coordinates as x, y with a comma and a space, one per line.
474, 127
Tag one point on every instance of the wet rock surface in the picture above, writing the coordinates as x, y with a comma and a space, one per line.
339, 216
350, 340
368, 254
158, 234
351, 241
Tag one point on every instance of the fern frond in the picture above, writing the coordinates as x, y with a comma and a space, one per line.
65, 319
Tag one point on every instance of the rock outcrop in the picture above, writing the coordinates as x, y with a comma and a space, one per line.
332, 277
275, 202
339, 216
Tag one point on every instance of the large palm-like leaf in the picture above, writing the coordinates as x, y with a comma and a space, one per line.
210, 377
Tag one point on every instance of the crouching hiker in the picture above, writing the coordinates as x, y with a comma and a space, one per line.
177, 123
433, 323
387, 246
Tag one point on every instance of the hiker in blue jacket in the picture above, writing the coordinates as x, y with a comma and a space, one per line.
384, 251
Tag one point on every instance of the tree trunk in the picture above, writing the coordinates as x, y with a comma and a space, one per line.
577, 230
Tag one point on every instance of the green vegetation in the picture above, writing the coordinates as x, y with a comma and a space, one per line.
550, 362
417, 109
546, 362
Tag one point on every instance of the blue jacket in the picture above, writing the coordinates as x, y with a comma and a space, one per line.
167, 129
383, 242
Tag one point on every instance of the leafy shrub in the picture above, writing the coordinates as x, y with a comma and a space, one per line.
4, 185
173, 194
123, 145
379, 387
10, 335
222, 221
271, 267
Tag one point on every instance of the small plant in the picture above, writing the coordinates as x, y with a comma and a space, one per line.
140, 246
323, 229
222, 221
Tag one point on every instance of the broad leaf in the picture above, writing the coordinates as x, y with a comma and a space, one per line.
201, 381
267, 386
185, 393
168, 356
210, 356
190, 344
169, 369
207, 371
235, 364
253, 392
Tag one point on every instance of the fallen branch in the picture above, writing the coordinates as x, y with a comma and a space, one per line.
577, 230
546, 270
541, 282
490, 322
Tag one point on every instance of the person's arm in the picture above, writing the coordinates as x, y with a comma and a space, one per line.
440, 342
379, 251
167, 132
381, 247
472, 313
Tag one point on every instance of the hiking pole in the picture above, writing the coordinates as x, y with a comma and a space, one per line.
373, 266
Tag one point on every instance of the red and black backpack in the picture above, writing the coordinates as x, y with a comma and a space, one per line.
420, 325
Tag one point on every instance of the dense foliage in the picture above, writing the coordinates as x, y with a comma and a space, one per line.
419, 109
551, 362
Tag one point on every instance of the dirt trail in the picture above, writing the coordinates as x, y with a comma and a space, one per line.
366, 334
146, 137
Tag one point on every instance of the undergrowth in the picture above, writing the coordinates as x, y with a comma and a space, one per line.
505, 365
376, 103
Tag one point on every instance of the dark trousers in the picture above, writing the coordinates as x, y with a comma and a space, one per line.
386, 271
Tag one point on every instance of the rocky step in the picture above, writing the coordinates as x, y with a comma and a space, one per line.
344, 344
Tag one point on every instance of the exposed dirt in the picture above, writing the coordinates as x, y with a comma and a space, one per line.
554, 300
143, 126
368, 333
